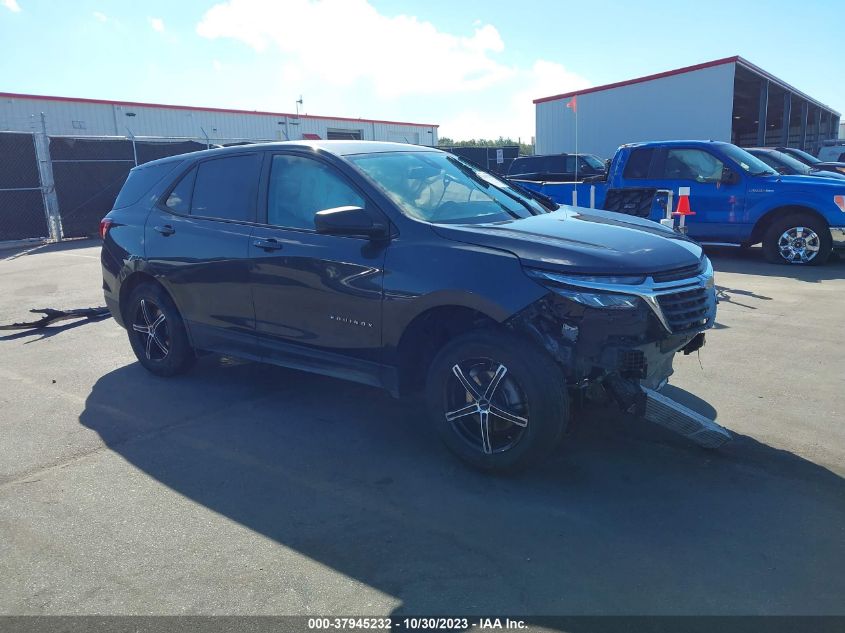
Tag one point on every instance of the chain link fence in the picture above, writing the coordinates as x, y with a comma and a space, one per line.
21, 201
61, 186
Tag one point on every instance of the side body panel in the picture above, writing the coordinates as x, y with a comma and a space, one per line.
430, 271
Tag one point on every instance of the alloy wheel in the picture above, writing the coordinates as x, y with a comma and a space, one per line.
486, 405
799, 245
150, 325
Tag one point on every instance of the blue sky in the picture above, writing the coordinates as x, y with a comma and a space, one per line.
473, 67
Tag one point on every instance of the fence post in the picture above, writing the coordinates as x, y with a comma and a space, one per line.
134, 150
48, 185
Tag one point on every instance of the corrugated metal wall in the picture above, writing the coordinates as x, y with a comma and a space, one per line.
693, 105
105, 119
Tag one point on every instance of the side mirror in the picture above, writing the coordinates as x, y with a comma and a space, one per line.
729, 177
352, 221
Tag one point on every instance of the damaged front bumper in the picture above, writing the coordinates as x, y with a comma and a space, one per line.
624, 337
590, 343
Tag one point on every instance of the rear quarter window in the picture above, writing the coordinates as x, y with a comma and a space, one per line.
141, 180
638, 164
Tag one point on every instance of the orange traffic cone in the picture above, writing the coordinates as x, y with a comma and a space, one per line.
683, 208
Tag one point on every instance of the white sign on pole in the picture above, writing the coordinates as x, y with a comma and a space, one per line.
500, 156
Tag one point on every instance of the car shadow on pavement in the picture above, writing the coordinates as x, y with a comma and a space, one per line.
624, 519
731, 259
48, 247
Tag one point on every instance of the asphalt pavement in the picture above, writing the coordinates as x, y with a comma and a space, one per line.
242, 488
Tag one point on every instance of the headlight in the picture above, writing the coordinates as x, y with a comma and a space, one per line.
567, 286
605, 301
708, 267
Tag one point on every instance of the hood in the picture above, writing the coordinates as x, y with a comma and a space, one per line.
823, 173
583, 241
816, 180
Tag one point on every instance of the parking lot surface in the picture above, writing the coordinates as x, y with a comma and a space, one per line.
242, 488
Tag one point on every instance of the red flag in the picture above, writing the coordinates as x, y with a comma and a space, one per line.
572, 104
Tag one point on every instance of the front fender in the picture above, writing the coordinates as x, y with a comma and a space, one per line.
438, 273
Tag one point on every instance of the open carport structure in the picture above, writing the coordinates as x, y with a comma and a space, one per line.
727, 99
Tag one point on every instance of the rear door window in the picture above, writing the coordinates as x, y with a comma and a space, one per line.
179, 200
530, 165
225, 188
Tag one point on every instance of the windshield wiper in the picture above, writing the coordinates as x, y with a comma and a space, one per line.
469, 171
542, 198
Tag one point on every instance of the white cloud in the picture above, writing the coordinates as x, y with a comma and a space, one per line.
157, 24
100, 17
12, 6
510, 110
398, 56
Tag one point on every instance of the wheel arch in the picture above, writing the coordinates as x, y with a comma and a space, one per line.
772, 216
427, 333
135, 279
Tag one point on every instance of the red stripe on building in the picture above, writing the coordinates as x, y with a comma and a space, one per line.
138, 104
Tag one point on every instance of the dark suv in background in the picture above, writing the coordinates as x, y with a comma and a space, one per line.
405, 268
557, 167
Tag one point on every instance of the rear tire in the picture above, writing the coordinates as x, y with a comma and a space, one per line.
156, 331
799, 239
498, 402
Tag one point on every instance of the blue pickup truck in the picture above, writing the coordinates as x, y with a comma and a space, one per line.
736, 198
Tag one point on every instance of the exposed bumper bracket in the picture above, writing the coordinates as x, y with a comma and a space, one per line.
655, 407
676, 417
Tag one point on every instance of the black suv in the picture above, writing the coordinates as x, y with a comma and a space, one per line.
406, 268
557, 167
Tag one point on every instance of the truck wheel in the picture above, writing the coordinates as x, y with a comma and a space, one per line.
156, 331
498, 403
798, 239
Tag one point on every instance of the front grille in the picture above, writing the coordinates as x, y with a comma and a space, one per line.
678, 273
685, 310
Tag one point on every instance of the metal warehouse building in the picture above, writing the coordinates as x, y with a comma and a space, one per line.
727, 99
95, 117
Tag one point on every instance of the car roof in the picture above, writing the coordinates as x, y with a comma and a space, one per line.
675, 143
555, 155
338, 148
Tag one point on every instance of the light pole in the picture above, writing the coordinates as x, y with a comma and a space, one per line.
132, 138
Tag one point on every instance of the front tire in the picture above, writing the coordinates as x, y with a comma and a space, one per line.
799, 239
498, 402
156, 331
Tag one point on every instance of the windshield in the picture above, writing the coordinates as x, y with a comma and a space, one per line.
748, 163
803, 156
439, 188
791, 162
593, 162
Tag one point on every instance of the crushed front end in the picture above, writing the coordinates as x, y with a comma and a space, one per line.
620, 333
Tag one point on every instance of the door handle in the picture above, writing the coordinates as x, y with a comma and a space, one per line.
268, 245
165, 230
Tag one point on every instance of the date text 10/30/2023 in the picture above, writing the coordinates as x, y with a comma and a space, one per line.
415, 623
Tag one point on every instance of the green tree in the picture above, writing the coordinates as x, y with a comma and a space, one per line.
524, 149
